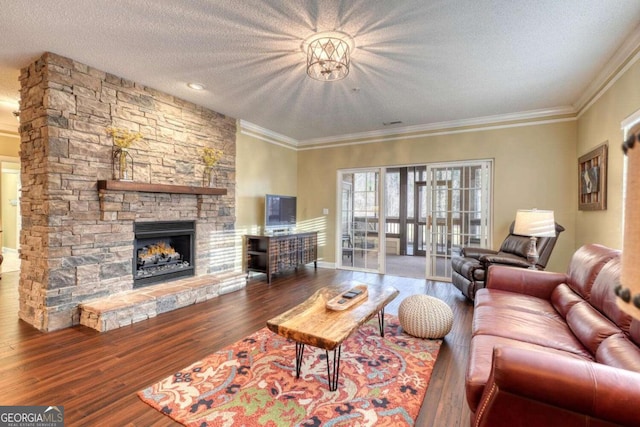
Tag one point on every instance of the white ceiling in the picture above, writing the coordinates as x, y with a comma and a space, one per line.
420, 62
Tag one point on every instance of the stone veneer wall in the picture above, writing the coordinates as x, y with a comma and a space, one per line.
76, 245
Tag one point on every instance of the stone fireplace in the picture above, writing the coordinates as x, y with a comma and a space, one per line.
78, 241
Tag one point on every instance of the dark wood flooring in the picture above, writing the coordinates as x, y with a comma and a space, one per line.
95, 376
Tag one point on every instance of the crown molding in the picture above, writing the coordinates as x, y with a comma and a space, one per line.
397, 137
502, 121
264, 134
623, 58
526, 116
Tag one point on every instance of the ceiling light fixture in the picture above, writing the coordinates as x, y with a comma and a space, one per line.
196, 86
328, 55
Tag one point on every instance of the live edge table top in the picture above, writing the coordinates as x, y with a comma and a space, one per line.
314, 324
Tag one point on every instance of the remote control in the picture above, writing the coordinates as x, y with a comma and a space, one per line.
348, 298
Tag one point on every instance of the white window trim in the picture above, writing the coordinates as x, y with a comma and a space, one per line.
626, 124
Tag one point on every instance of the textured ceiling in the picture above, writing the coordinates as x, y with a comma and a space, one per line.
419, 62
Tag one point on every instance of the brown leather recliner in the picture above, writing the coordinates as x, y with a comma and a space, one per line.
469, 270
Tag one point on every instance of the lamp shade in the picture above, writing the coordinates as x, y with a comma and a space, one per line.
534, 223
629, 290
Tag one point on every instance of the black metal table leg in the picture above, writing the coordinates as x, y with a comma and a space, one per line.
299, 353
381, 321
333, 376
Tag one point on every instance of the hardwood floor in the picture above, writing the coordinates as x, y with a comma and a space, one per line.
95, 376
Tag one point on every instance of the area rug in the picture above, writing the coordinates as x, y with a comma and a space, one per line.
382, 382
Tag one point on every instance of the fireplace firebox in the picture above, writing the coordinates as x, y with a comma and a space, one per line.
163, 251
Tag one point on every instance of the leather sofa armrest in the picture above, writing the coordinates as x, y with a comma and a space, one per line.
504, 260
538, 388
471, 252
524, 281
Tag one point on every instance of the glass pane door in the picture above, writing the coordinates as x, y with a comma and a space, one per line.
360, 220
457, 199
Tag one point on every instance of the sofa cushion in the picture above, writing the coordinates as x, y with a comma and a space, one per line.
544, 328
634, 332
563, 298
618, 351
505, 299
590, 326
604, 299
479, 366
585, 265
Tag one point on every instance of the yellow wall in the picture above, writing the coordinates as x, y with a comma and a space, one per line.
9, 148
9, 145
9, 194
534, 166
600, 123
261, 168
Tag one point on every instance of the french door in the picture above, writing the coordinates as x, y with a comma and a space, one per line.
458, 212
359, 220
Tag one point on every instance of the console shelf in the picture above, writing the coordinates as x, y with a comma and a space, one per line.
273, 254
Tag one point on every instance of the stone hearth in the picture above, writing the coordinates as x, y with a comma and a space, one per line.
128, 307
77, 239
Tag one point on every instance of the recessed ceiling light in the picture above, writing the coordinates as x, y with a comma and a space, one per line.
196, 86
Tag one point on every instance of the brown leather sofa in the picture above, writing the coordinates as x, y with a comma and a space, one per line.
469, 270
553, 349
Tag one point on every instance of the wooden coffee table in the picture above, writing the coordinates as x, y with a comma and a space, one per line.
312, 323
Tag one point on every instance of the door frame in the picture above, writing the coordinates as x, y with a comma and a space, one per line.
488, 207
381, 171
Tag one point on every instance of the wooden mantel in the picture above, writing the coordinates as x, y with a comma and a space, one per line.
108, 185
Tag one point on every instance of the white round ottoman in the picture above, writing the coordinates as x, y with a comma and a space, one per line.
425, 317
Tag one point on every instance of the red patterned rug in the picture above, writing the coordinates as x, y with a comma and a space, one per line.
252, 382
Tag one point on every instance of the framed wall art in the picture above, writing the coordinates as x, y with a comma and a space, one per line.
592, 179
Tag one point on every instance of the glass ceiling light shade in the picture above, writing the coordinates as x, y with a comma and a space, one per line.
328, 55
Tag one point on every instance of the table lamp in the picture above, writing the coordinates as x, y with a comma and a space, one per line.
534, 223
628, 291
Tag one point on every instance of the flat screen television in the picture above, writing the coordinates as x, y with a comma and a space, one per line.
279, 211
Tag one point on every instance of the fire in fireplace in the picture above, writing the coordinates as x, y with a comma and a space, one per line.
163, 251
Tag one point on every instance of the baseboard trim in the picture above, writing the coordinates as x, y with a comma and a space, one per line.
324, 264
